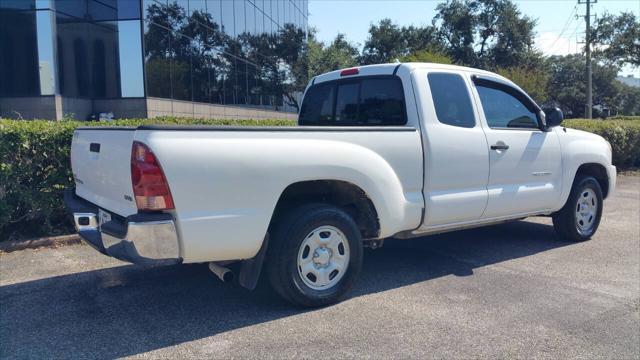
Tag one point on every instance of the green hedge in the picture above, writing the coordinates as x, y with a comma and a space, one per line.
622, 133
35, 170
34, 165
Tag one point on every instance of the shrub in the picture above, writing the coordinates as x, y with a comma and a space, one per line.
35, 169
623, 134
35, 166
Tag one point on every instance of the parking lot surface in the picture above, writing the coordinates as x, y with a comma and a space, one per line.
512, 290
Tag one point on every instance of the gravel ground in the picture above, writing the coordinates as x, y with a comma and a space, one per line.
507, 291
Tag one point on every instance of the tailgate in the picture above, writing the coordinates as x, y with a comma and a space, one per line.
101, 164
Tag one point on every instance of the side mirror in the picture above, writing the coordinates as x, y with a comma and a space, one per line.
554, 117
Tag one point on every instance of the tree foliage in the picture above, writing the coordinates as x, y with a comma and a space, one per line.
533, 80
387, 42
338, 54
428, 56
617, 39
567, 87
486, 33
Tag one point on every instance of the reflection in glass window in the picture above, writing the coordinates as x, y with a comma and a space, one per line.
451, 99
81, 68
250, 17
216, 70
228, 17
17, 4
259, 23
282, 5
197, 6
502, 110
241, 83
128, 9
158, 61
130, 52
101, 12
238, 9
213, 8
18, 53
199, 68
181, 69
46, 57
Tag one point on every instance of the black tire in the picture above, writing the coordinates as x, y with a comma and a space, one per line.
565, 221
289, 234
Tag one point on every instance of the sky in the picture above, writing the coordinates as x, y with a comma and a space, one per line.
558, 30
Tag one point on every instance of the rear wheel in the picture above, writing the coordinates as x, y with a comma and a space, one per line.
580, 217
315, 256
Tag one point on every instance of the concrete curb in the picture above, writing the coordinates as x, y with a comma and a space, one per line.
53, 241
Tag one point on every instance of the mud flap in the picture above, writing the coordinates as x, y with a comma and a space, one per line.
251, 268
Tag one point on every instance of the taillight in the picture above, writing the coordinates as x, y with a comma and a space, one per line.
347, 72
150, 186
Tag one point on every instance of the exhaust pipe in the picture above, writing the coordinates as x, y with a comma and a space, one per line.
223, 273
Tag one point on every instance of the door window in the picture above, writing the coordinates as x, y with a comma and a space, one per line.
451, 99
503, 110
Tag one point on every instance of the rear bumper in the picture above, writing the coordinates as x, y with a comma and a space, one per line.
139, 238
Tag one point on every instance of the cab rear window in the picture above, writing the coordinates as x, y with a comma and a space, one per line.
364, 101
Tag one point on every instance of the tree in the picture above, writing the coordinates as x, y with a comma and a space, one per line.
627, 102
428, 56
486, 33
617, 39
338, 55
533, 80
567, 88
387, 42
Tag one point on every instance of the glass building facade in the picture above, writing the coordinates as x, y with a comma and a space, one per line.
218, 52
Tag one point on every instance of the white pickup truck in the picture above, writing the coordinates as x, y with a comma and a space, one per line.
393, 150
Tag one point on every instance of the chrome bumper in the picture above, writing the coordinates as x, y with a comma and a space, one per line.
139, 238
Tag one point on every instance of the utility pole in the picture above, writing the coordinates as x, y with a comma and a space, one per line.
587, 19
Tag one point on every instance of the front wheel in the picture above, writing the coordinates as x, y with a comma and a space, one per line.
580, 217
315, 255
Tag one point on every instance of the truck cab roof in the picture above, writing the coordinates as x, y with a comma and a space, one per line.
393, 68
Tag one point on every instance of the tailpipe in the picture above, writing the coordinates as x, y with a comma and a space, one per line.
223, 273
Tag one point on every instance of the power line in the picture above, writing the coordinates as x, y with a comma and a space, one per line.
565, 27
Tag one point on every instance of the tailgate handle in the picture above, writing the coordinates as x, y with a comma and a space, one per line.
94, 147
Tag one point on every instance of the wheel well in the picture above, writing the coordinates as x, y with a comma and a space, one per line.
597, 171
342, 194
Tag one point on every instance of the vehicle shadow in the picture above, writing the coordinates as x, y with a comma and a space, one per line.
129, 309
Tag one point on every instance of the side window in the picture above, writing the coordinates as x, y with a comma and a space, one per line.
382, 102
451, 99
347, 103
503, 110
317, 107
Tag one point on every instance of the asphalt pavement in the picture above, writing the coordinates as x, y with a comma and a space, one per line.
507, 291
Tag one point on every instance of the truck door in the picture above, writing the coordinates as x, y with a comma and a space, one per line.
525, 166
456, 160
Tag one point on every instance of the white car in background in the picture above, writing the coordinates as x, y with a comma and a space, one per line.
393, 150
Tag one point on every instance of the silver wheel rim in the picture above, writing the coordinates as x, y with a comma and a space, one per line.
586, 211
323, 257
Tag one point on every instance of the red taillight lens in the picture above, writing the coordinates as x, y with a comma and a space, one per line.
150, 187
347, 72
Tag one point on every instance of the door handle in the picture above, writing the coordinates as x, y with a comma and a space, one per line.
500, 146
